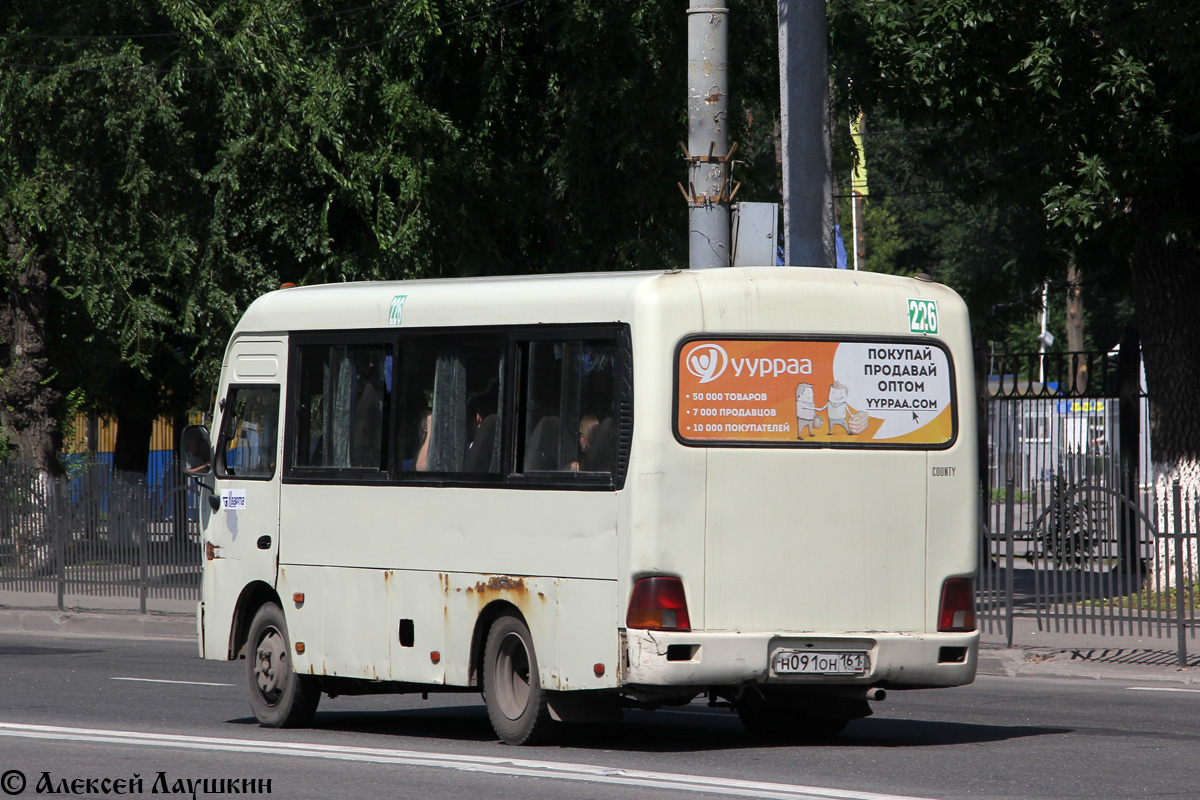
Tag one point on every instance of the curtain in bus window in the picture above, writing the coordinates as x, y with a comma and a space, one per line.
494, 460
448, 436
342, 392
343, 407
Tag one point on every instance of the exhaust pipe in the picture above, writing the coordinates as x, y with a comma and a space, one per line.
856, 692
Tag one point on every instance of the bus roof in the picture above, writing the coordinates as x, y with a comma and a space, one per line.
578, 298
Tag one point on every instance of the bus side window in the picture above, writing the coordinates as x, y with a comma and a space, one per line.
343, 406
568, 394
452, 409
249, 433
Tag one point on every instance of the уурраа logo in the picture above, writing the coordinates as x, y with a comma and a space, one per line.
707, 362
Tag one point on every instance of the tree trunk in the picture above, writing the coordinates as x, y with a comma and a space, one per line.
131, 458
136, 405
1075, 326
29, 401
131, 453
1166, 291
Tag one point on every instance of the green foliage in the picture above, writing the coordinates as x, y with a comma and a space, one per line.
183, 158
1051, 132
1149, 598
1086, 105
921, 219
885, 237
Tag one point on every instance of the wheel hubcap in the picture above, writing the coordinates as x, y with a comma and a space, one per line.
269, 666
512, 676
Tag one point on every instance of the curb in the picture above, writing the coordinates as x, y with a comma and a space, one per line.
92, 623
1114, 663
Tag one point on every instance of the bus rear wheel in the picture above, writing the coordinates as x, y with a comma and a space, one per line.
278, 696
516, 702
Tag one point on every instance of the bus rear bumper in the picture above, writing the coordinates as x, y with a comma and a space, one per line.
894, 660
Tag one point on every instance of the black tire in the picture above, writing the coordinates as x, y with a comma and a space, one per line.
781, 720
279, 697
516, 702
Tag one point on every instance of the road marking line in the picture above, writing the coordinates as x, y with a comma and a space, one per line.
160, 680
1162, 689
486, 764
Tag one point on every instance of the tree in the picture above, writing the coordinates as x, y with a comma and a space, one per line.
1087, 106
89, 208
166, 163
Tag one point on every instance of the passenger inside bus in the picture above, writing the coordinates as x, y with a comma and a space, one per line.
482, 453
586, 433
595, 445
420, 460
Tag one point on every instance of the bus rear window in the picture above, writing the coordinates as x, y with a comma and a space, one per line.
810, 392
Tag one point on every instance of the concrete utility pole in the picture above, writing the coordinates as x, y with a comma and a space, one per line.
708, 187
807, 156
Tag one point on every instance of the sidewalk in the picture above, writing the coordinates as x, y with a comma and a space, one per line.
31, 612
1034, 652
1084, 654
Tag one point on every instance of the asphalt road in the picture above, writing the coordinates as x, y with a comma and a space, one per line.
77, 708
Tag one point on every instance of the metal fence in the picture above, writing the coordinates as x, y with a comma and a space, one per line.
1076, 534
92, 533
1076, 537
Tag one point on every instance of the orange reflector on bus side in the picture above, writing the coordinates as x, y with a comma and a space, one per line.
300, 647
298, 598
658, 604
956, 614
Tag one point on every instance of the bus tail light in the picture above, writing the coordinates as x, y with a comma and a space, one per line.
658, 604
957, 611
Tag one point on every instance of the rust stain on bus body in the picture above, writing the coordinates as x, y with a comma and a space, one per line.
502, 583
501, 587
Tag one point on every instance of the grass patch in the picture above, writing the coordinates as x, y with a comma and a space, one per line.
1151, 600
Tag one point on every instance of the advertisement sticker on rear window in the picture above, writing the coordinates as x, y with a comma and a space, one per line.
805, 392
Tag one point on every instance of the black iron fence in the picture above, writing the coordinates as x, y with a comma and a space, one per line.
94, 533
1077, 535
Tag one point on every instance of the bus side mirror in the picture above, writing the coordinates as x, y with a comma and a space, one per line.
196, 451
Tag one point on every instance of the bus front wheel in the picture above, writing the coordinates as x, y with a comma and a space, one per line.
516, 702
279, 697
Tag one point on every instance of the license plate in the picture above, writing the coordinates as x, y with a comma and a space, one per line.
809, 662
